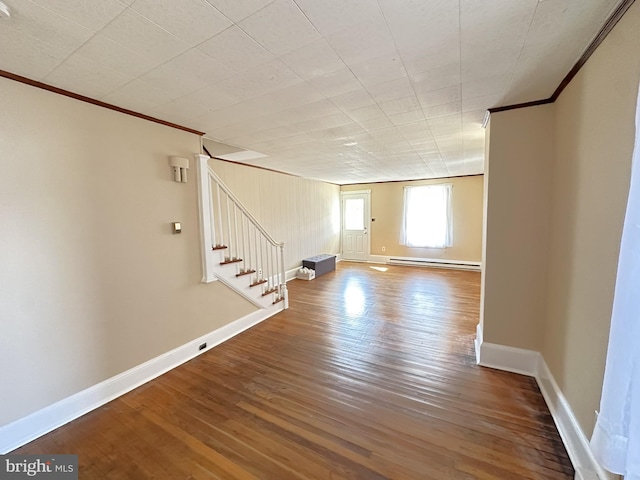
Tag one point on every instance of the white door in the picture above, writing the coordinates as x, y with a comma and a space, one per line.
356, 218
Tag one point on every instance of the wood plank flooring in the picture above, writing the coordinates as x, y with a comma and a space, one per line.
369, 375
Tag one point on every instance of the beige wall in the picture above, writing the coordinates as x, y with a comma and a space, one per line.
92, 280
567, 166
594, 145
387, 206
521, 147
304, 214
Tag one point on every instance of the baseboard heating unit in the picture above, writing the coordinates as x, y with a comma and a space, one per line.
435, 262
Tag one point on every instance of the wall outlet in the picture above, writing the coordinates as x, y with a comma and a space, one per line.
259, 272
384, 249
202, 347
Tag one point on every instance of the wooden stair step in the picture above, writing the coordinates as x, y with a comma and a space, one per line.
230, 260
219, 247
258, 282
278, 300
267, 292
245, 272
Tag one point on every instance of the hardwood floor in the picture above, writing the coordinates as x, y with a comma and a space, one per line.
369, 375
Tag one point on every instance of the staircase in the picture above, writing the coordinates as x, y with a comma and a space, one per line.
237, 250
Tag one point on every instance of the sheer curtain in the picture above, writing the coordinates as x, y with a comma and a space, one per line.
616, 438
427, 217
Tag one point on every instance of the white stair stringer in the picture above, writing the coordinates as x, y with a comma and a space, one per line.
229, 231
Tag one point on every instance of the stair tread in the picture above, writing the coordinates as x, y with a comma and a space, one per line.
231, 260
259, 282
245, 272
219, 247
278, 300
267, 292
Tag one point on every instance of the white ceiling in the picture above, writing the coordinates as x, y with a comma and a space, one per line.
345, 91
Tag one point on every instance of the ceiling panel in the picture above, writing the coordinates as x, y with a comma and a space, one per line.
339, 90
280, 27
193, 21
235, 49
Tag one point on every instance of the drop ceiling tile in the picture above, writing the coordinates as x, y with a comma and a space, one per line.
115, 56
503, 52
313, 60
440, 96
250, 139
353, 100
393, 90
366, 113
426, 23
84, 76
295, 95
235, 49
485, 25
375, 123
487, 63
200, 66
566, 15
321, 108
330, 16
19, 50
481, 103
362, 41
137, 95
436, 78
236, 10
188, 115
415, 131
406, 117
335, 83
442, 110
209, 99
400, 105
259, 80
30, 19
324, 123
175, 83
427, 58
379, 70
88, 13
485, 86
280, 27
193, 21
281, 132
144, 37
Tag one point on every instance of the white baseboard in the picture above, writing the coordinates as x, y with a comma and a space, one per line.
426, 262
510, 359
26, 429
531, 363
478, 342
575, 441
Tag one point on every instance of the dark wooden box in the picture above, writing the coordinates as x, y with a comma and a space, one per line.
322, 264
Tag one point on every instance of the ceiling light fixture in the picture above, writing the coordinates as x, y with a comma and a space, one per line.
4, 11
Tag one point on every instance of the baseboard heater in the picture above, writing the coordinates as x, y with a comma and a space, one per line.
435, 262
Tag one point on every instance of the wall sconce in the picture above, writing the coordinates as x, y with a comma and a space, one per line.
180, 166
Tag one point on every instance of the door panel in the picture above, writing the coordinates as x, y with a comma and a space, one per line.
355, 225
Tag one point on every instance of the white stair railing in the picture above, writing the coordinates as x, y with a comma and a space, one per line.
248, 249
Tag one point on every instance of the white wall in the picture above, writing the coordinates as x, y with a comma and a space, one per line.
304, 214
92, 281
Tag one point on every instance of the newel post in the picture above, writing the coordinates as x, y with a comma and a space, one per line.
206, 229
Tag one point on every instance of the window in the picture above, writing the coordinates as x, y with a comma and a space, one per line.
427, 216
354, 214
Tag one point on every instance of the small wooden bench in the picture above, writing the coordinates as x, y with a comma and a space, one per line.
322, 264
